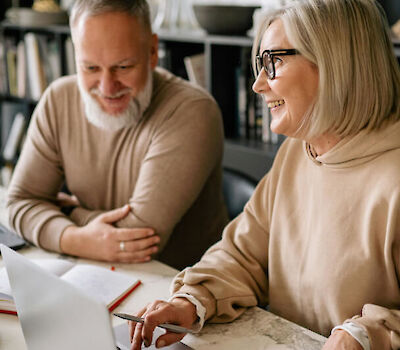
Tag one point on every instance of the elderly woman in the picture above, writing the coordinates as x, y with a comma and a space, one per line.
319, 241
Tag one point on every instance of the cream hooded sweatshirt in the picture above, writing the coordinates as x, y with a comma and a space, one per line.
319, 241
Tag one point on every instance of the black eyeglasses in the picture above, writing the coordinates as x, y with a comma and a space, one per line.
268, 59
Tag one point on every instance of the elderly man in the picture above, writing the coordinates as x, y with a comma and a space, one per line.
139, 149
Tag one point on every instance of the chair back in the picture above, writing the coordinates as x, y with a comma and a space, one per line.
237, 189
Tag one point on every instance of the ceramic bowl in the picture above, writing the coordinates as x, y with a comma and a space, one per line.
224, 19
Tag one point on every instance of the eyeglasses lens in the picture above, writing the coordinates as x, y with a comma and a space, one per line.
269, 65
259, 64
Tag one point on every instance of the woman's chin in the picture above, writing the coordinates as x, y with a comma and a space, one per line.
276, 127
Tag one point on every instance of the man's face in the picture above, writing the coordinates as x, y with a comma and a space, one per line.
113, 55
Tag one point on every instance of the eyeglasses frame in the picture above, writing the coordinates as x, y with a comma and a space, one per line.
271, 54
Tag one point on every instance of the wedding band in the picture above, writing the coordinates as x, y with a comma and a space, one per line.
122, 246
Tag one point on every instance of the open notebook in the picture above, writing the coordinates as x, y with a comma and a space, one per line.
56, 315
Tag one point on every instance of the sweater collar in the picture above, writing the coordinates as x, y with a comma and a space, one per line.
359, 148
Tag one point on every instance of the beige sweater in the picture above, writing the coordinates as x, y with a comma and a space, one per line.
167, 167
318, 240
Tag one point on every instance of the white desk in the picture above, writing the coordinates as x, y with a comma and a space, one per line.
256, 329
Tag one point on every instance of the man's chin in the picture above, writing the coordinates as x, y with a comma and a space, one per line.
114, 113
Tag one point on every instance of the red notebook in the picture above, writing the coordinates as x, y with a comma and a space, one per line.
107, 286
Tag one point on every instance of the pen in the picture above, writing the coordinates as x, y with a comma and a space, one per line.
167, 326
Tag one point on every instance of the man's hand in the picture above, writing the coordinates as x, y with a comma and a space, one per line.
341, 340
100, 240
179, 311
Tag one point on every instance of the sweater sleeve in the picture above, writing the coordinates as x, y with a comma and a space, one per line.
37, 178
184, 150
382, 323
232, 274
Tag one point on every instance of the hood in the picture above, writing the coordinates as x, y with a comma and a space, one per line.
361, 148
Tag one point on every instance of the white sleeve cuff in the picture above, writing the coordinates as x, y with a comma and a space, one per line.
200, 309
357, 332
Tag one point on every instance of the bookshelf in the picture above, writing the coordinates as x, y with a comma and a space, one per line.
227, 76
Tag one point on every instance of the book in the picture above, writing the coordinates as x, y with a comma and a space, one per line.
104, 285
241, 102
70, 56
3, 67
6, 172
14, 138
21, 70
8, 111
36, 76
195, 68
164, 56
12, 70
54, 59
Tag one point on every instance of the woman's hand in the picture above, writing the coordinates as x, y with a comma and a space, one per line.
341, 340
179, 311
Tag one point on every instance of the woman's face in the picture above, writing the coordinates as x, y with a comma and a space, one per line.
293, 91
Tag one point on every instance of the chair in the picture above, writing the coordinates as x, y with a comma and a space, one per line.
237, 190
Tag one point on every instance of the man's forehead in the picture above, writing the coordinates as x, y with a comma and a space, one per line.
115, 33
109, 22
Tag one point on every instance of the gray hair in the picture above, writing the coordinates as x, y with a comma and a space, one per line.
136, 8
359, 76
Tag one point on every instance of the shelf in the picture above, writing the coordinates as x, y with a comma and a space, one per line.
199, 36
51, 29
17, 99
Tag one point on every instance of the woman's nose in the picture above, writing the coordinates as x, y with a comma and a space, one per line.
261, 85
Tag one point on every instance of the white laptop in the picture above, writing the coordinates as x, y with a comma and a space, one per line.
56, 315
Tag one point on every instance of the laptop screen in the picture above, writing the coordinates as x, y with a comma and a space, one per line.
53, 313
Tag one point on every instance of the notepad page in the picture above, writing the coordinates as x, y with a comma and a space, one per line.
102, 284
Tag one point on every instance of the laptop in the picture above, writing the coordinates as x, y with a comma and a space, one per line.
56, 315
10, 239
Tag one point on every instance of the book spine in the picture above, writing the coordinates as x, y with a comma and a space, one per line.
241, 100
12, 70
8, 312
14, 138
195, 69
21, 70
6, 174
3, 66
164, 56
35, 70
70, 57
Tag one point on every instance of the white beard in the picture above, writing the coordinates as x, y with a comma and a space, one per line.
131, 115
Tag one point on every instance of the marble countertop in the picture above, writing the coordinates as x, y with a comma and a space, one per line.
256, 329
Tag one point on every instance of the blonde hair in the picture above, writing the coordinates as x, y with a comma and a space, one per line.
359, 76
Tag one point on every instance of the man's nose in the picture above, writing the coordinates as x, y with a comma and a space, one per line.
108, 84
